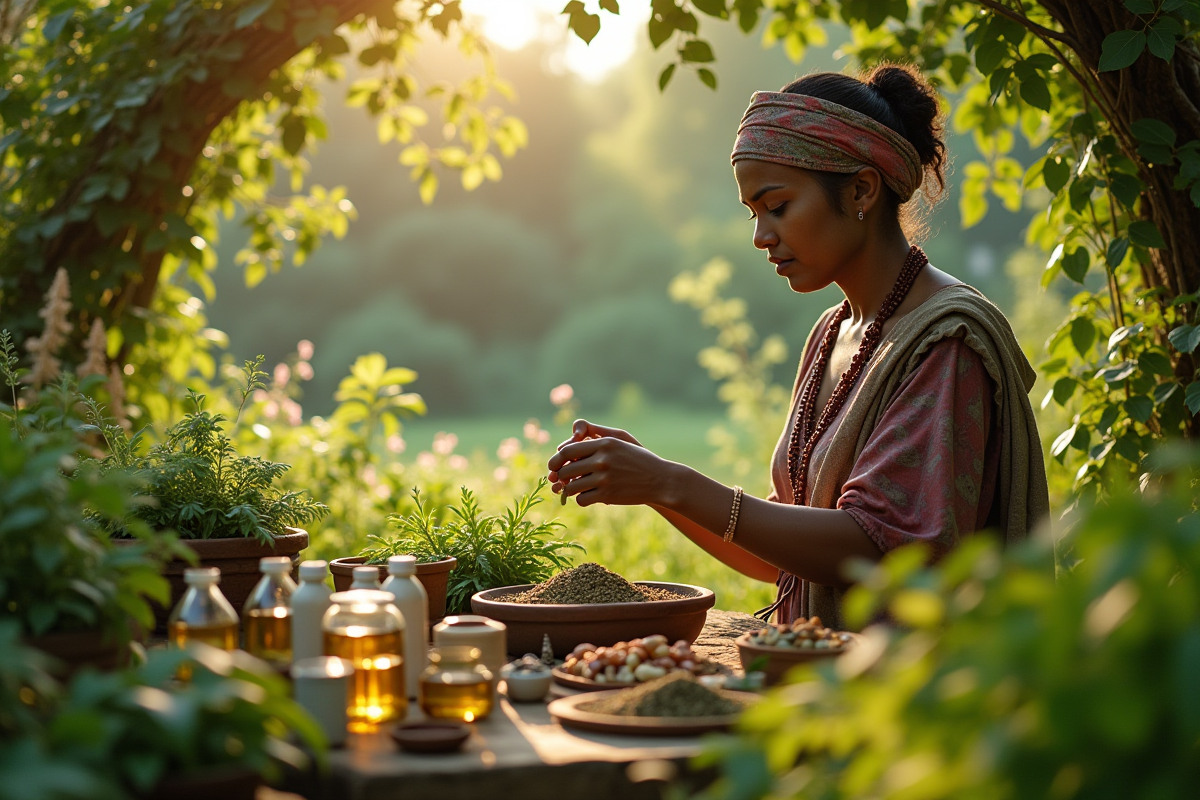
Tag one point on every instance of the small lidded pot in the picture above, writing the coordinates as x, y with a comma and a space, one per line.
526, 680
456, 686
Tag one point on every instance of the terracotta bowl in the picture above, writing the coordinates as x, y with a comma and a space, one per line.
602, 624
431, 737
781, 659
434, 576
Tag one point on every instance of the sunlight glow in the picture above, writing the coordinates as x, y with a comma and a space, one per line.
514, 24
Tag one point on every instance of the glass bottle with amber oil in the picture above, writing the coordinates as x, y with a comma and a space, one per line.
455, 685
365, 628
267, 615
203, 614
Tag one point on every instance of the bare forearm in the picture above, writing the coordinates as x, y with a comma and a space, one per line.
728, 554
812, 543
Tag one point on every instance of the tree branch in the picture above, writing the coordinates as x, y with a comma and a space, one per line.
1026, 22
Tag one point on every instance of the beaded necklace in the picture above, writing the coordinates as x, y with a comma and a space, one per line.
804, 436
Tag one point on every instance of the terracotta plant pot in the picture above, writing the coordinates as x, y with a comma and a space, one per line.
79, 649
434, 576
236, 558
227, 784
602, 624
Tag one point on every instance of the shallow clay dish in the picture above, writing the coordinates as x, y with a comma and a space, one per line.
567, 712
431, 737
781, 659
564, 678
602, 624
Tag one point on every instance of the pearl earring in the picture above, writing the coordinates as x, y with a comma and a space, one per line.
860, 213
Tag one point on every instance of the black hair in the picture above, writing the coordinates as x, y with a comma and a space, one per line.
900, 98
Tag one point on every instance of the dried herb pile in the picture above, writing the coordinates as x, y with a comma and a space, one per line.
674, 695
589, 583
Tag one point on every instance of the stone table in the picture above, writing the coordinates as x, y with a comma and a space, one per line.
520, 752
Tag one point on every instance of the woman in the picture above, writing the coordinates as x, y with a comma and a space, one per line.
910, 418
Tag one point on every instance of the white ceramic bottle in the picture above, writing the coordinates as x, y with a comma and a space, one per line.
309, 604
365, 578
413, 603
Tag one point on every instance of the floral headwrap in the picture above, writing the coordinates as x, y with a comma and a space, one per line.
803, 131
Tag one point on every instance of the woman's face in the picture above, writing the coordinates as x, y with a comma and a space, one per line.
806, 240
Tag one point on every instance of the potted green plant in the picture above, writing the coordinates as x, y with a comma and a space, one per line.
71, 592
473, 550
226, 507
141, 733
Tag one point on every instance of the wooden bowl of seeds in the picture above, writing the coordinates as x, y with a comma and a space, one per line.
775, 649
590, 604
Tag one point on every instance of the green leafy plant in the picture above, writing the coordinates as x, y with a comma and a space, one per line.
493, 550
1005, 680
203, 489
117, 735
58, 569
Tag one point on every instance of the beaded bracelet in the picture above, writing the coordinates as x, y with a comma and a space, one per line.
733, 513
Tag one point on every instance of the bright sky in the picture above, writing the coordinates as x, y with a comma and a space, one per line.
512, 24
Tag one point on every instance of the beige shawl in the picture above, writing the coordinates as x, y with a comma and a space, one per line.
1022, 496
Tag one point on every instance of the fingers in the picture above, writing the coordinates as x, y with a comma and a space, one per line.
579, 486
582, 430
573, 452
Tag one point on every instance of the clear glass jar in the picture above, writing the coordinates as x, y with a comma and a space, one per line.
203, 614
455, 685
267, 614
365, 628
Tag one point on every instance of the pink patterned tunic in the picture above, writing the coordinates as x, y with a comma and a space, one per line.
929, 470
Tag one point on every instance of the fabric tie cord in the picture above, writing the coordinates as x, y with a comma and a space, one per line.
807, 132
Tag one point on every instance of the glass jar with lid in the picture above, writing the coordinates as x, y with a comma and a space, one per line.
456, 685
203, 614
365, 628
268, 614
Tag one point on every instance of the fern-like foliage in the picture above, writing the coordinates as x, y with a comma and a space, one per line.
203, 489
507, 549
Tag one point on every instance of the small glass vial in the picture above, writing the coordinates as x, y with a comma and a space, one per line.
413, 603
267, 614
455, 685
365, 628
309, 604
203, 614
365, 578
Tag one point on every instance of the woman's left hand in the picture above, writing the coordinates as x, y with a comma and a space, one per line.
608, 470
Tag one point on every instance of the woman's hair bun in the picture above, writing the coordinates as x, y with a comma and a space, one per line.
915, 103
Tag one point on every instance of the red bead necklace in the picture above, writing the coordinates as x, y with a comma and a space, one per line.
804, 436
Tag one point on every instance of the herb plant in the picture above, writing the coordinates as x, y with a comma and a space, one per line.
58, 569
203, 489
492, 550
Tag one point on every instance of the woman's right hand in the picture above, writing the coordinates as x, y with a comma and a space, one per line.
582, 430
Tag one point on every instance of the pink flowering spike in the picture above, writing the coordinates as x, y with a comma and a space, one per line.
304, 371
561, 395
304, 349
283, 374
395, 444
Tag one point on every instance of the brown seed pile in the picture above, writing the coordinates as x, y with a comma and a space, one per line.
675, 695
588, 583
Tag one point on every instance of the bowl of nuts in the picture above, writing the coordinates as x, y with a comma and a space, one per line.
591, 668
590, 604
775, 649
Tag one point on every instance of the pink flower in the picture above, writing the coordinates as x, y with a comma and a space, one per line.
282, 375
383, 491
444, 443
369, 476
561, 395
501, 474
426, 460
531, 429
543, 436
304, 349
458, 462
293, 412
271, 410
259, 395
508, 448
395, 444
304, 370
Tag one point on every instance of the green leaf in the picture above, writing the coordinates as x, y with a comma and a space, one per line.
1075, 264
1157, 154
747, 11
990, 54
251, 12
1164, 391
1162, 36
664, 77
660, 31
1035, 92
1081, 192
1127, 447
1185, 338
1083, 335
1145, 233
1153, 131
611, 6
697, 51
707, 77
1139, 408
1140, 6
585, 25
1063, 389
1126, 188
1120, 49
1056, 172
1115, 254
1117, 373
713, 8
1111, 412
54, 26
1063, 441
1192, 397
1152, 362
